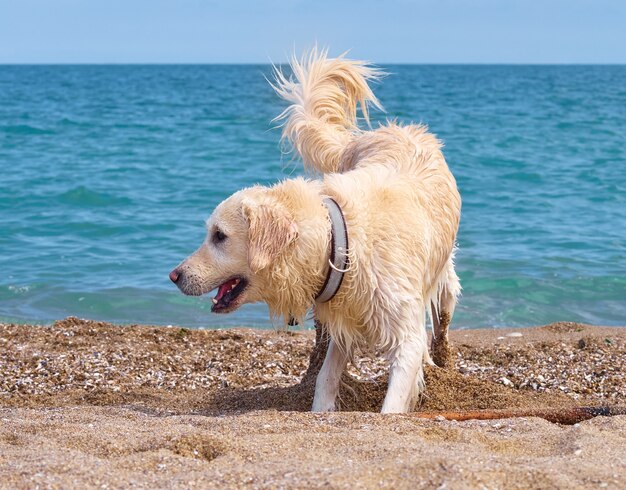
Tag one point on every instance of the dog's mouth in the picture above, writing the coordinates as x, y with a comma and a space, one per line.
228, 295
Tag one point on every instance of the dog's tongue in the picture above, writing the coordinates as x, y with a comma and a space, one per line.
224, 288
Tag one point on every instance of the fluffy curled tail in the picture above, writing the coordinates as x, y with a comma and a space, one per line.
324, 94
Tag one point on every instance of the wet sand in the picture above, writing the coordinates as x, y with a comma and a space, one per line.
87, 404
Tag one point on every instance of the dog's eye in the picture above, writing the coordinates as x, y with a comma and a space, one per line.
218, 236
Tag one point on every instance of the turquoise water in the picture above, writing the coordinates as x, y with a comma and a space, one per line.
107, 173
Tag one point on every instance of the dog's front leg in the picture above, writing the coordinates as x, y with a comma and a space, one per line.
328, 379
405, 375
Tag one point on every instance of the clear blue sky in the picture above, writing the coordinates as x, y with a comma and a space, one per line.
384, 31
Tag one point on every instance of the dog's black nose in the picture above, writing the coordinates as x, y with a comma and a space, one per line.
174, 275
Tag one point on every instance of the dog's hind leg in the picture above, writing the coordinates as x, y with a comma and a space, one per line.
328, 379
448, 291
406, 374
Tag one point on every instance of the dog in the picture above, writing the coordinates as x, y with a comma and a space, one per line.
388, 190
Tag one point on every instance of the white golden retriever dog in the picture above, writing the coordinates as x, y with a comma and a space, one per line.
401, 210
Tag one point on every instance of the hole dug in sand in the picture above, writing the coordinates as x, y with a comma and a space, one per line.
446, 390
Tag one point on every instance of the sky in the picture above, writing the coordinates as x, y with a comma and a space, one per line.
260, 31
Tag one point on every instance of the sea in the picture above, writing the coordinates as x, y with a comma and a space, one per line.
107, 173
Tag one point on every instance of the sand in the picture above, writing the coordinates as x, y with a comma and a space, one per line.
88, 404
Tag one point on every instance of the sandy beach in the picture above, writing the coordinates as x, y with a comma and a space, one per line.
89, 404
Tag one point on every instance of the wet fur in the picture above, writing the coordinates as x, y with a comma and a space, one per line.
402, 211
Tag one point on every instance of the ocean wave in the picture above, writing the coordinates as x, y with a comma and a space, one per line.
83, 196
24, 129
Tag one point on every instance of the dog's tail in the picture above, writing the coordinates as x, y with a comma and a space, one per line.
324, 95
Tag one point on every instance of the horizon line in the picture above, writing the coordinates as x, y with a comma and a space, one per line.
268, 63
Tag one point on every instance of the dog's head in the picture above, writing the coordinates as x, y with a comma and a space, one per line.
246, 234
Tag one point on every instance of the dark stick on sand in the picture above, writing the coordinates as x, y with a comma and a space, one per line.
565, 416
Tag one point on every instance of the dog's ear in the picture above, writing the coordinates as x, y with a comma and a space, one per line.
271, 230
